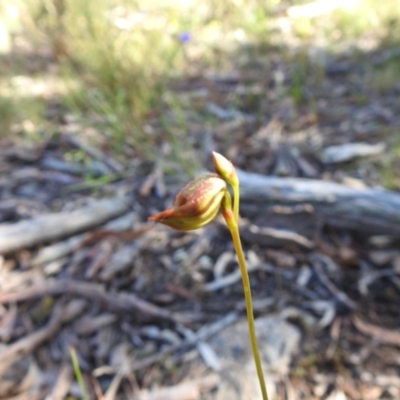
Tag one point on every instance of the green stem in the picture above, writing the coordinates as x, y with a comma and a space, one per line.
78, 373
236, 197
234, 229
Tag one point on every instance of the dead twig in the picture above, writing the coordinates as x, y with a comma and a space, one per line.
234, 277
202, 334
65, 247
199, 336
190, 390
341, 296
121, 303
385, 336
63, 383
54, 226
24, 346
275, 237
228, 280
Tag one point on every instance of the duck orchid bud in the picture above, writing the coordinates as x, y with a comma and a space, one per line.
225, 169
227, 172
196, 204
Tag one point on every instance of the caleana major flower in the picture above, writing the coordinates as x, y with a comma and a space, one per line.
195, 206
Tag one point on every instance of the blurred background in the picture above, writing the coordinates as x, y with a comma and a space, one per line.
123, 101
147, 74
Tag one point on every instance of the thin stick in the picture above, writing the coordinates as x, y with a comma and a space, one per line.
121, 302
22, 347
234, 229
203, 333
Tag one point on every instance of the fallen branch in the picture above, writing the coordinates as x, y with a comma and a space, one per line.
119, 227
55, 226
121, 302
366, 210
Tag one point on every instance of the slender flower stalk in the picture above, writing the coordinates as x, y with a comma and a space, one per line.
195, 206
234, 229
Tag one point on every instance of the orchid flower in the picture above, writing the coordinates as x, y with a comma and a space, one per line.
196, 205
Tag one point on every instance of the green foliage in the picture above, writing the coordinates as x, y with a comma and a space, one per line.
369, 21
118, 57
390, 172
386, 77
8, 113
21, 115
78, 373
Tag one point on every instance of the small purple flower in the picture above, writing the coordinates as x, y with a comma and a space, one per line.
185, 37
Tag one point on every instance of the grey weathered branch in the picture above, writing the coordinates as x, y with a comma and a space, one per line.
121, 302
44, 228
366, 210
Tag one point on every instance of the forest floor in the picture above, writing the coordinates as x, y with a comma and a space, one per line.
152, 313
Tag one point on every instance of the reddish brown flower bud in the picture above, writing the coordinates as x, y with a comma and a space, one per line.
195, 205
